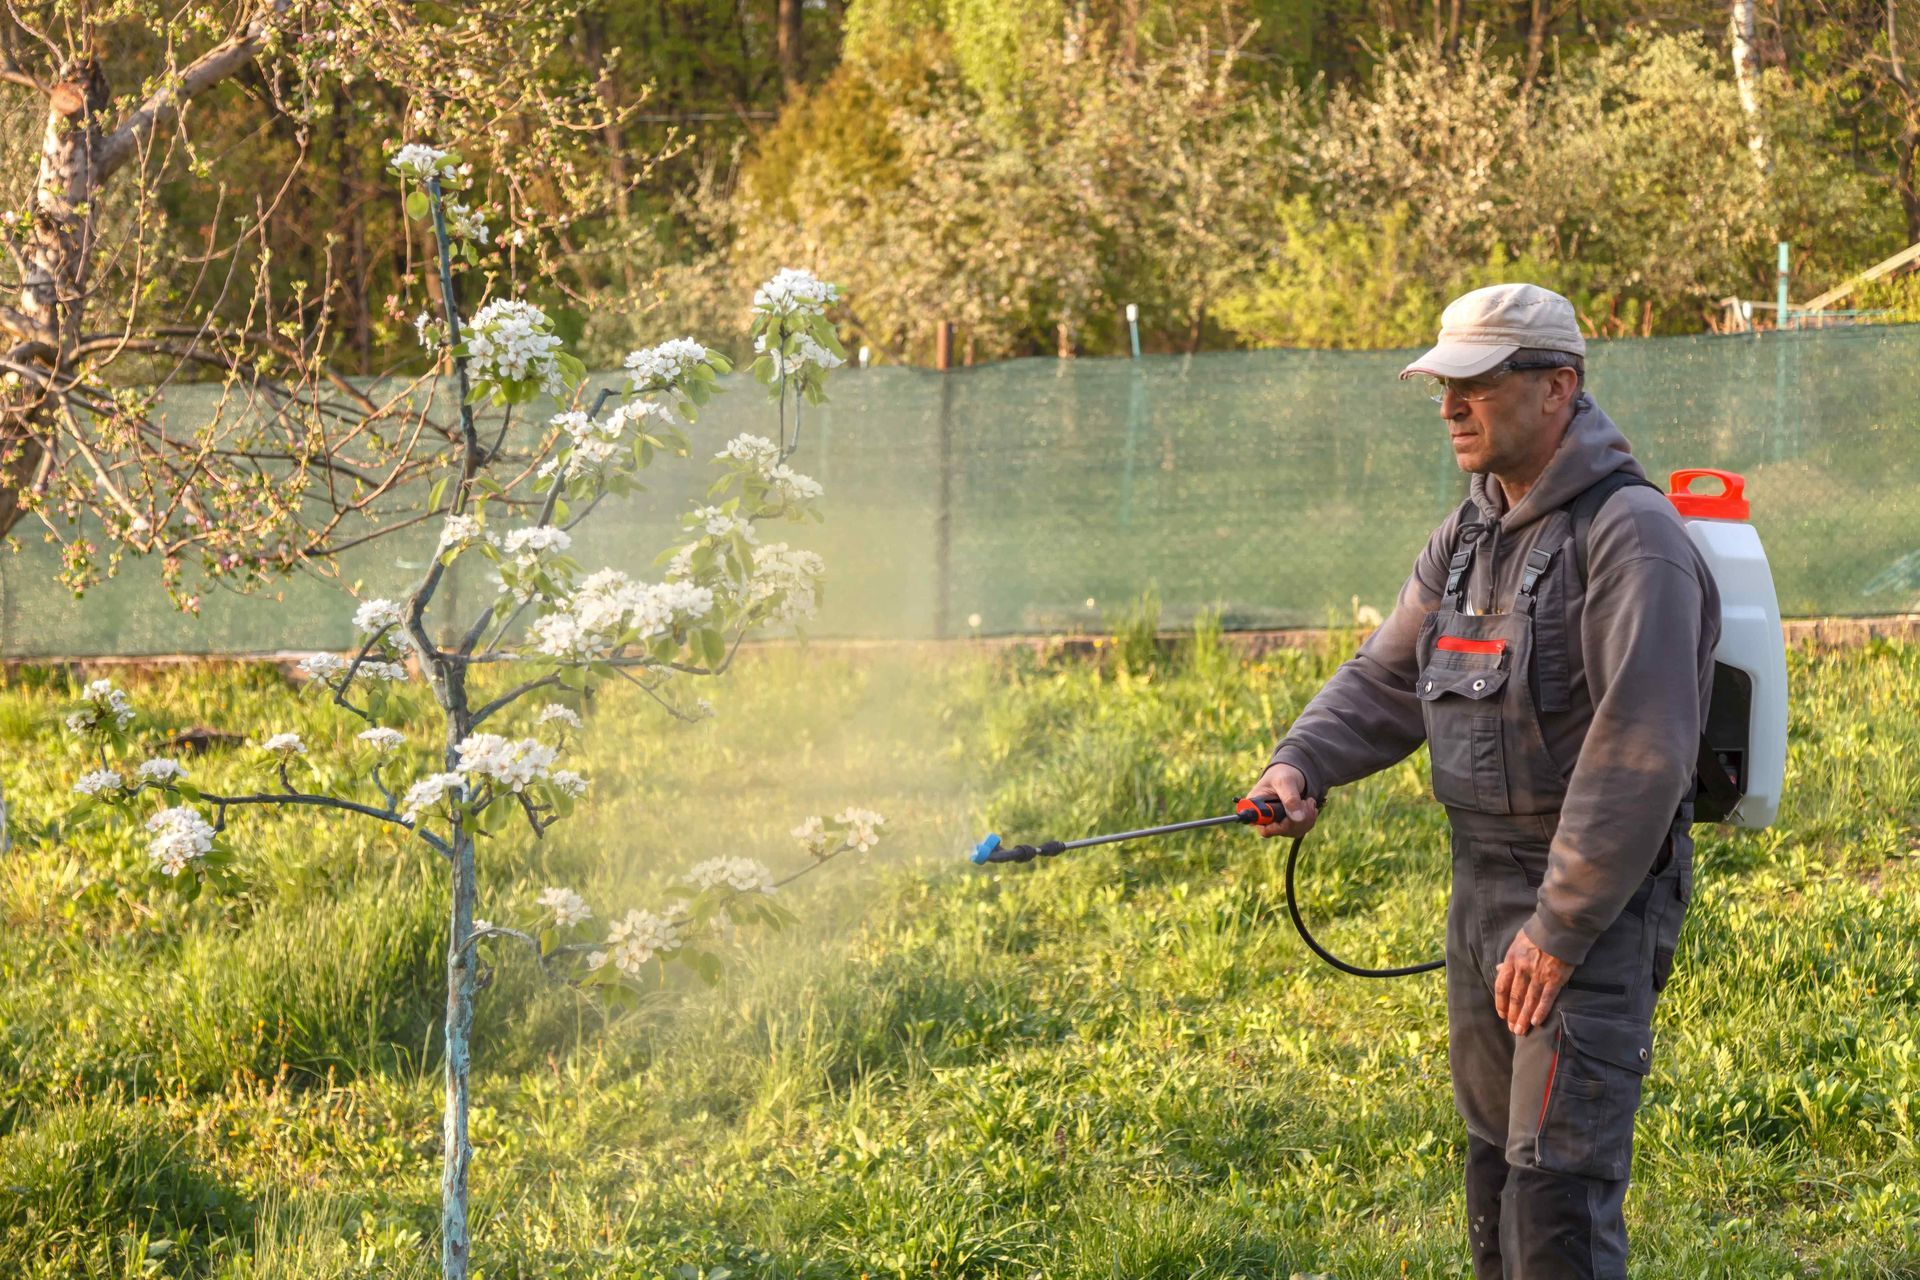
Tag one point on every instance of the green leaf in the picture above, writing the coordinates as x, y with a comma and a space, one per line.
438, 492
417, 206
713, 645
705, 964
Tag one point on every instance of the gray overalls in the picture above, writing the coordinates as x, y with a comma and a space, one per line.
1549, 1114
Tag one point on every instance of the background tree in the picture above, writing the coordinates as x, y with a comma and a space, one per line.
182, 160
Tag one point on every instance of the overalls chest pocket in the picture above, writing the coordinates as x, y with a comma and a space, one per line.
1460, 687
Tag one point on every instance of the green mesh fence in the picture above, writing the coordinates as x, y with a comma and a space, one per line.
1277, 486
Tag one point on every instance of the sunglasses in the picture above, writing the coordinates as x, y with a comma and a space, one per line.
1482, 385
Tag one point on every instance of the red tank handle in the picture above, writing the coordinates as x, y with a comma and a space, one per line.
1729, 504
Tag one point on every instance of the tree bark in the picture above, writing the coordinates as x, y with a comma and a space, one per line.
788, 18
1905, 180
1746, 76
1538, 17
456, 1240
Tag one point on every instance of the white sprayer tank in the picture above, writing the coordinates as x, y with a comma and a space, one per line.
1747, 726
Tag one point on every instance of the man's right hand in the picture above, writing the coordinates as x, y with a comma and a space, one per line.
1289, 786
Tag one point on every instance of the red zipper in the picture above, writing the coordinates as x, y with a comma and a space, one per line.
1456, 644
1553, 1069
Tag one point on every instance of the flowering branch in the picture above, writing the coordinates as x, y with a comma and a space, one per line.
581, 627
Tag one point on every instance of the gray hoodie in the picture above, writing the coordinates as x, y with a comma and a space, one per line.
1622, 676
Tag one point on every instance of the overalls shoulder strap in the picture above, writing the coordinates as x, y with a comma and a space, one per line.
1587, 505
1468, 531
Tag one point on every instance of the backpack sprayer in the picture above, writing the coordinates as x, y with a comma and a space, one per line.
1743, 743
1247, 811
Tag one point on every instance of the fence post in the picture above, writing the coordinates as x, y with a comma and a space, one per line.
943, 512
1133, 327
1781, 314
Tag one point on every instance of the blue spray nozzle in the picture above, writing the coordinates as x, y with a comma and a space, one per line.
984, 850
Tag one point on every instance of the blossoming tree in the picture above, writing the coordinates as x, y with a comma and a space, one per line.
552, 629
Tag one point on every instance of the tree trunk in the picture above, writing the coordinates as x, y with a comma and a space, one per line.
456, 1242
1905, 180
787, 43
1746, 75
1538, 18
55, 254
52, 296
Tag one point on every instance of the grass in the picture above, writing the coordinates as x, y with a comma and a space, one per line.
1120, 1063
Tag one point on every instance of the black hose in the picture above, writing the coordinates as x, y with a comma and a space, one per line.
1293, 909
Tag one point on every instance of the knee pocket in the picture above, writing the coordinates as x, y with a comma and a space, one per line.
1592, 1094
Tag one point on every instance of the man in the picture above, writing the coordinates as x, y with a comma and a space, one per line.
1562, 711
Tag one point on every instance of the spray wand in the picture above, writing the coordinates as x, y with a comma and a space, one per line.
1247, 811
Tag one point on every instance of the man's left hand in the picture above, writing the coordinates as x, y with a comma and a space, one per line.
1526, 984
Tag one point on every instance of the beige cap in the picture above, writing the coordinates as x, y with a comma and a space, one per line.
1480, 329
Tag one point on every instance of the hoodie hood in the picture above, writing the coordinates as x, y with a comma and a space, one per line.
1592, 449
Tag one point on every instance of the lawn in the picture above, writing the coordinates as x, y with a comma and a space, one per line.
1119, 1063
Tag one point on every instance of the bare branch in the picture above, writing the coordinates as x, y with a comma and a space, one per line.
163, 107
223, 803
513, 695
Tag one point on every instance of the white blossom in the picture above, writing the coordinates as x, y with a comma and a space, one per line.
512, 764
461, 530
596, 960
180, 836
567, 716
860, 824
743, 874
324, 666
791, 486
756, 451
638, 937
721, 524
103, 701
568, 907
591, 442
560, 635
422, 323
430, 791
285, 744
466, 222
631, 413
513, 341
373, 615
382, 739
812, 835
789, 576
527, 545
92, 784
161, 771
658, 367
569, 782
419, 161
805, 352
794, 292
608, 603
